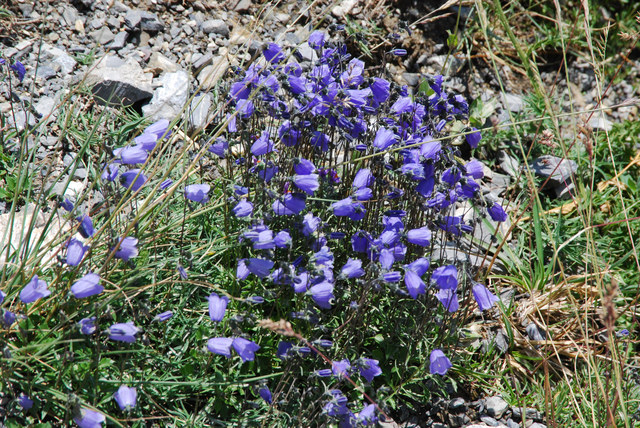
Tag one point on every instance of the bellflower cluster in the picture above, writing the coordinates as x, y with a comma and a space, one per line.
326, 153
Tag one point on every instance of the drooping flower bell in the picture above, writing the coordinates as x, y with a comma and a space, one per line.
126, 396
87, 286
217, 307
34, 290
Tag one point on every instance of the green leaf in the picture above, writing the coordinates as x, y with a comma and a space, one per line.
452, 40
479, 111
425, 89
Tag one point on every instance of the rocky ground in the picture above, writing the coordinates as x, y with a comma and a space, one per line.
156, 54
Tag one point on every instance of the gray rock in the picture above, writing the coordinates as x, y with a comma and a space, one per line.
559, 171
534, 332
412, 79
489, 421
508, 163
344, 8
68, 159
45, 72
27, 10
69, 15
201, 62
501, 341
457, 405
530, 413
45, 106
142, 20
600, 122
102, 36
513, 102
159, 64
119, 41
114, 22
307, 52
80, 173
199, 111
512, 424
215, 26
117, 82
211, 74
496, 406
537, 425
458, 420
59, 59
174, 31
169, 98
21, 119
283, 17
498, 185
48, 141
449, 62
506, 296
240, 5
96, 23
132, 19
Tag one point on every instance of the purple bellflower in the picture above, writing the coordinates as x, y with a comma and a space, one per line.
220, 346
86, 227
245, 348
243, 209
446, 277
367, 416
473, 138
316, 40
439, 363
217, 307
363, 178
25, 402
123, 332
34, 290
19, 70
421, 236
322, 294
497, 213
110, 172
449, 299
341, 368
265, 394
128, 179
415, 285
75, 252
384, 138
87, 418
474, 169
307, 183
87, 325
67, 205
259, 267
262, 145
369, 368
352, 269
132, 155
87, 286
197, 193
485, 298
125, 397
164, 316
127, 249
